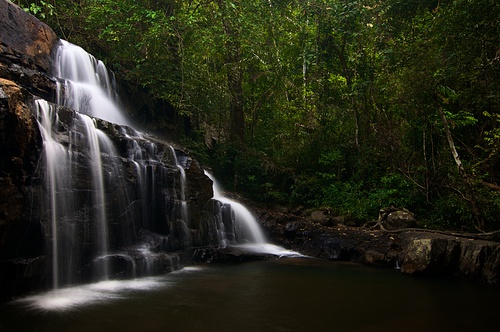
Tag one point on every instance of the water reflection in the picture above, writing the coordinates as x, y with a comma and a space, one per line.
290, 294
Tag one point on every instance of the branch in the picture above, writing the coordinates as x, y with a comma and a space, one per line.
491, 185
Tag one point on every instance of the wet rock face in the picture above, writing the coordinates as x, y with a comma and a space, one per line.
19, 148
24, 40
21, 241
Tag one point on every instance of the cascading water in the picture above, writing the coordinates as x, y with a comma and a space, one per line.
98, 194
243, 230
116, 203
182, 186
62, 201
57, 200
100, 226
86, 84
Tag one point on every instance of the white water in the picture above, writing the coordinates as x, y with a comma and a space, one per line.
183, 184
254, 239
60, 200
87, 88
73, 297
244, 220
55, 157
143, 163
98, 194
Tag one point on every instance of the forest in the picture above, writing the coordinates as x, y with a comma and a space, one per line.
347, 105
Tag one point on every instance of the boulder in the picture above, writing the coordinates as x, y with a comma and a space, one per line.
396, 218
440, 254
321, 217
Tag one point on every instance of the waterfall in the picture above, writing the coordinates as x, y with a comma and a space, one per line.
53, 153
246, 232
107, 212
115, 202
246, 227
182, 186
86, 84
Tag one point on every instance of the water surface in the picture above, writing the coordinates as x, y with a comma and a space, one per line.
292, 294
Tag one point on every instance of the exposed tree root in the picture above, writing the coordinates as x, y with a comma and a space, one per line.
490, 236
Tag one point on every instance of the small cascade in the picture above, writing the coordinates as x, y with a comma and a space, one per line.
98, 194
238, 227
243, 227
182, 195
86, 86
141, 153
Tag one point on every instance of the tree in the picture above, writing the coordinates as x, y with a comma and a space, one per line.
351, 104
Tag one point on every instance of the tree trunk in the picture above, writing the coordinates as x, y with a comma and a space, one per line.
347, 74
471, 197
235, 83
234, 75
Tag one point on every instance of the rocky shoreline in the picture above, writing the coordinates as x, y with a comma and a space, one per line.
414, 251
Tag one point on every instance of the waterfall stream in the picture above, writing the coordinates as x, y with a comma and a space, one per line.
244, 231
245, 228
116, 203
107, 212
87, 86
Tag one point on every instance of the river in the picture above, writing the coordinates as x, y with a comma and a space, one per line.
289, 294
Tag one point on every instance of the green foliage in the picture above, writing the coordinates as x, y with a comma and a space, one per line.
341, 99
450, 212
357, 201
41, 9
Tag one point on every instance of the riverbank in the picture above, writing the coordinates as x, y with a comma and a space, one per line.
413, 251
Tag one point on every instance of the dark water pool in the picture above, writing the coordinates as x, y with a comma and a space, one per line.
293, 294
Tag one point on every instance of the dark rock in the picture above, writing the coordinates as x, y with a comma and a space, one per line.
20, 274
19, 148
24, 40
321, 217
291, 229
419, 253
431, 253
226, 255
298, 210
338, 243
396, 218
281, 209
